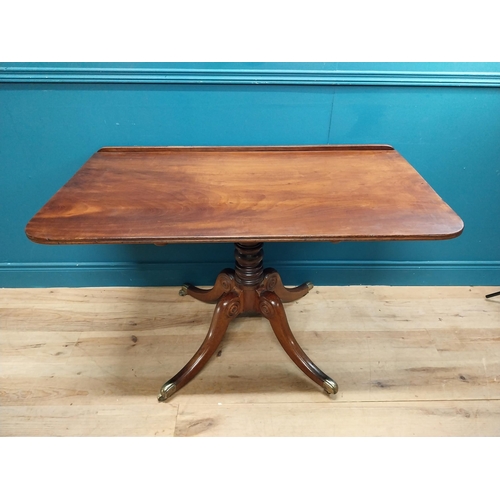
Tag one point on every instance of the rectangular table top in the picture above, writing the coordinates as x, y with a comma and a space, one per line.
226, 194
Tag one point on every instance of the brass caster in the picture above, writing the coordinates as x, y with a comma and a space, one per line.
166, 391
310, 285
183, 290
330, 386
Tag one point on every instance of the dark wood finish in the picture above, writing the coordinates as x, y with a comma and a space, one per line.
223, 284
248, 268
272, 282
272, 308
248, 290
245, 194
228, 308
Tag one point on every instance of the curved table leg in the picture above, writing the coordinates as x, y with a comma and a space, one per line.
272, 283
228, 307
223, 284
272, 308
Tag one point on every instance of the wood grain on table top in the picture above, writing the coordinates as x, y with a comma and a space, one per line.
225, 194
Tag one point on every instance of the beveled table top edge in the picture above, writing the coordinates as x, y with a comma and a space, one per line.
244, 239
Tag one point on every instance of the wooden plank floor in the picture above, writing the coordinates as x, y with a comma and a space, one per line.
410, 361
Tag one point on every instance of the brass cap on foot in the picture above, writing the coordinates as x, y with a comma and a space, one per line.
183, 290
166, 391
330, 386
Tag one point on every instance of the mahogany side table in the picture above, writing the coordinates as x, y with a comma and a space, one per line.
248, 196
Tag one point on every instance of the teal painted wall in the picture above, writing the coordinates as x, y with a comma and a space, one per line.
444, 118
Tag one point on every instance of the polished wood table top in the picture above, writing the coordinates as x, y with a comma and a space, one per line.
236, 194
249, 196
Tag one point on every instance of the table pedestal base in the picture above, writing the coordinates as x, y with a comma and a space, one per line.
251, 289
